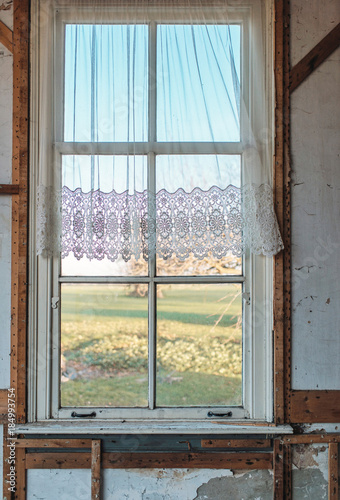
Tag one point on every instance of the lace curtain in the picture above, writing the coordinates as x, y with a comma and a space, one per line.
155, 150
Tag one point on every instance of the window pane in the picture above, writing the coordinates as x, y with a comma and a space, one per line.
198, 86
106, 83
199, 345
87, 254
198, 171
104, 345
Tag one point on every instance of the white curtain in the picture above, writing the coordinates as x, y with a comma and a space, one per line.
157, 145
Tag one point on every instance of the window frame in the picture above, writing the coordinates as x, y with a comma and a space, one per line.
44, 354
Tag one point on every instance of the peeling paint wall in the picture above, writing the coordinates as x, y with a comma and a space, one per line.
152, 484
310, 472
315, 147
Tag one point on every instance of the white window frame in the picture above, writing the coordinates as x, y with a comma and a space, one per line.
44, 345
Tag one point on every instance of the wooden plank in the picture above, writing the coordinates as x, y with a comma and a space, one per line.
53, 443
333, 471
311, 439
210, 460
6, 37
3, 405
315, 406
70, 460
7, 495
287, 472
278, 461
20, 203
278, 287
95, 469
9, 189
314, 58
20, 493
236, 443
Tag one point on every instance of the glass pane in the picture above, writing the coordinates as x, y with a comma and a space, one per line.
108, 175
199, 345
106, 83
104, 345
198, 90
198, 171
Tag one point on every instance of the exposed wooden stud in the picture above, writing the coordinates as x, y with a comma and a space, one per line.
210, 460
20, 204
333, 471
315, 406
70, 460
53, 443
6, 37
236, 443
95, 469
9, 189
6, 466
314, 58
3, 405
278, 288
20, 493
278, 461
287, 472
311, 439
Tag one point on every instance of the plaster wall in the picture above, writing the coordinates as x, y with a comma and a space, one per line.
315, 195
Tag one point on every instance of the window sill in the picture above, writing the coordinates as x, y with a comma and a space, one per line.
151, 427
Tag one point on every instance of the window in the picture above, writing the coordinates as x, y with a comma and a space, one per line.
151, 308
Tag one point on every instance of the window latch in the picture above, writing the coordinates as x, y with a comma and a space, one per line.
54, 302
227, 414
246, 298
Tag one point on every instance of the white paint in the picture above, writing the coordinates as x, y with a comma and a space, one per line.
310, 21
5, 289
156, 484
315, 145
6, 93
58, 484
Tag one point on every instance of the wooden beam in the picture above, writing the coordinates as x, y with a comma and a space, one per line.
278, 461
20, 493
20, 203
314, 406
6, 37
311, 439
148, 460
205, 460
333, 471
236, 443
3, 405
70, 460
95, 469
9, 189
53, 443
314, 58
287, 472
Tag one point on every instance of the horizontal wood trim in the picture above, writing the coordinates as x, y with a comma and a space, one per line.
53, 443
311, 439
9, 188
314, 406
314, 58
236, 443
210, 460
70, 460
217, 460
6, 37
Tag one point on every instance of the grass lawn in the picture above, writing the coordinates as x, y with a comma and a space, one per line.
105, 346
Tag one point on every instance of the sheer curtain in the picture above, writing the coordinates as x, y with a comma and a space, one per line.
155, 112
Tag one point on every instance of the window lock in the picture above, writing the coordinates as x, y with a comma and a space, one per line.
246, 298
54, 302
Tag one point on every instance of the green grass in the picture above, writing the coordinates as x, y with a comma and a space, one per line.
104, 345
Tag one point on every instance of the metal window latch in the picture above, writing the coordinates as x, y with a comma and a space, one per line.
246, 298
83, 415
54, 302
227, 414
